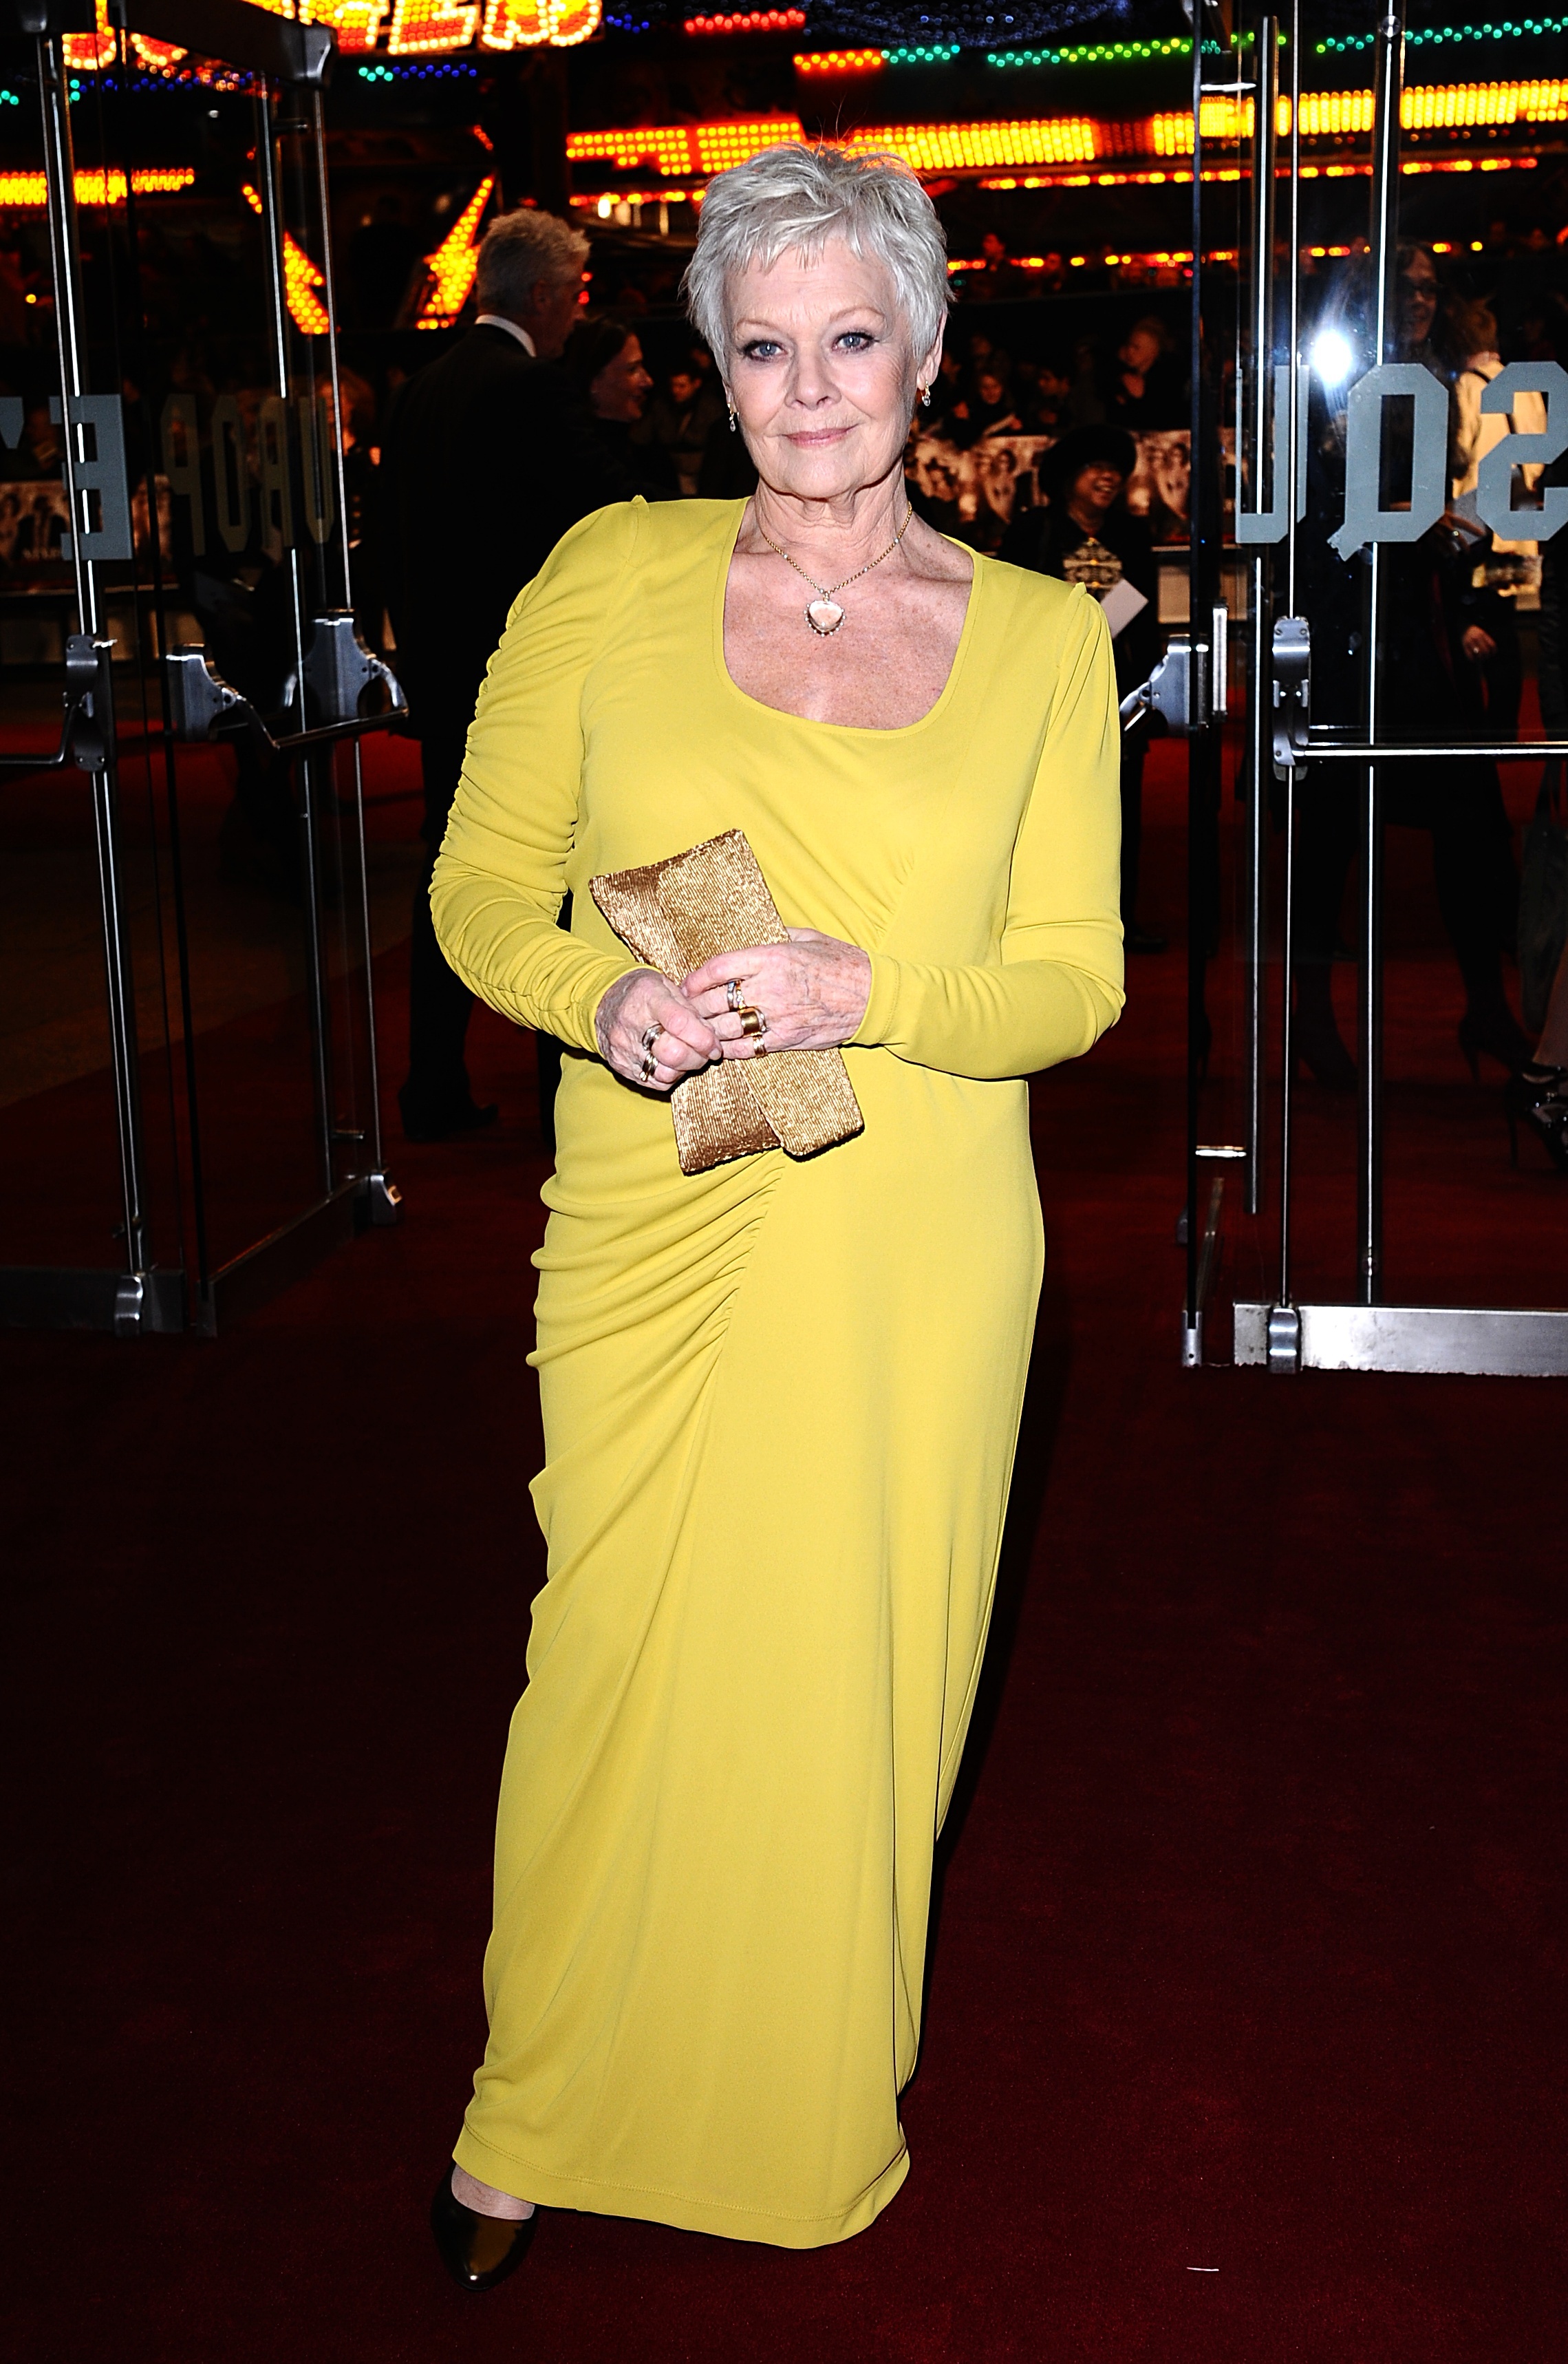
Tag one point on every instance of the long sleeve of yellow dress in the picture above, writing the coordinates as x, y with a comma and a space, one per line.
1059, 985
780, 1400
500, 878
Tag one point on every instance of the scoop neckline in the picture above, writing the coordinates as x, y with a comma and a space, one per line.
811, 721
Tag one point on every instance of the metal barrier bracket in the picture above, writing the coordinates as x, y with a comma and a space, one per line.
1177, 690
339, 668
1292, 689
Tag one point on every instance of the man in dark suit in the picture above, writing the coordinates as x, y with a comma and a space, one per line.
487, 461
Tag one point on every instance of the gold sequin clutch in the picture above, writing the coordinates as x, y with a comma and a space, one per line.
674, 915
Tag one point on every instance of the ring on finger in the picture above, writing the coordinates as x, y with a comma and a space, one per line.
752, 1021
650, 1064
650, 1034
732, 996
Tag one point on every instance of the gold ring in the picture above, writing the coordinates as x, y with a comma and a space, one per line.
732, 994
649, 1064
753, 1022
650, 1034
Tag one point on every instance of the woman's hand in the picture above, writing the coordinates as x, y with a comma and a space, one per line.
812, 992
643, 1018
1478, 645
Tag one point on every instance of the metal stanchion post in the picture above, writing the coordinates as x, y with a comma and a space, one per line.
83, 477
1386, 93
1261, 313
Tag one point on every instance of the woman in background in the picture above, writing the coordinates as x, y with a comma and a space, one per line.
1466, 336
604, 361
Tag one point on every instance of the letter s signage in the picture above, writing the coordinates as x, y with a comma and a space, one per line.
1494, 477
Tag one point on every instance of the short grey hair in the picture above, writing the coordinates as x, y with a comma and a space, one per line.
792, 200
518, 251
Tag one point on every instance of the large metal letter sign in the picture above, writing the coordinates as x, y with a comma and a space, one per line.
102, 473
1271, 524
1494, 477
1365, 518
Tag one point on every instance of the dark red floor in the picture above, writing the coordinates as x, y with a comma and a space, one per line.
1252, 1952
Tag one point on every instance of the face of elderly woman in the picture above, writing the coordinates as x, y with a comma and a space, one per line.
821, 372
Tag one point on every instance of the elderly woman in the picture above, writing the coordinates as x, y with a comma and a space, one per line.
781, 1397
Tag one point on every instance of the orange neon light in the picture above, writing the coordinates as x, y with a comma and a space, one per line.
840, 61
1089, 180
28, 190
765, 20
96, 52
453, 264
535, 24
90, 53
417, 29
301, 279
357, 23
947, 147
677, 149
604, 206
1458, 105
1165, 259
1345, 114
422, 27
682, 148
157, 56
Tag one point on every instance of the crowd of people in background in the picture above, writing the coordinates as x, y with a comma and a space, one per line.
990, 419
1069, 454
973, 454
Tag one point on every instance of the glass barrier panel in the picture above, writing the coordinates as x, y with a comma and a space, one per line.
1403, 566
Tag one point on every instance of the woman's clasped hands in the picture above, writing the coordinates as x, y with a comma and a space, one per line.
809, 994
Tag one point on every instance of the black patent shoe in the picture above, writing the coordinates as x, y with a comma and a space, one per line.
477, 2251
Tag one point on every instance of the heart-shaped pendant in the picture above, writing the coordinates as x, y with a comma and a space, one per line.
824, 616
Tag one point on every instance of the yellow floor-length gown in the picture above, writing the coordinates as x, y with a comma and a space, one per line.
780, 1399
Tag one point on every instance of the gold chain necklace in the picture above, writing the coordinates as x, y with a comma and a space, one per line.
824, 614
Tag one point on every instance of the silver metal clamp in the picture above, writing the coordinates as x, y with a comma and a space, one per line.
1292, 689
1177, 690
339, 669
199, 698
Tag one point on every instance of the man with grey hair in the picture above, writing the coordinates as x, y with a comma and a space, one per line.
486, 464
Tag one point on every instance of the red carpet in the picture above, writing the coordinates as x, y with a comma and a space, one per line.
1253, 1954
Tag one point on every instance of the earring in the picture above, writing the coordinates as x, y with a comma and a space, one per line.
732, 418
925, 397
